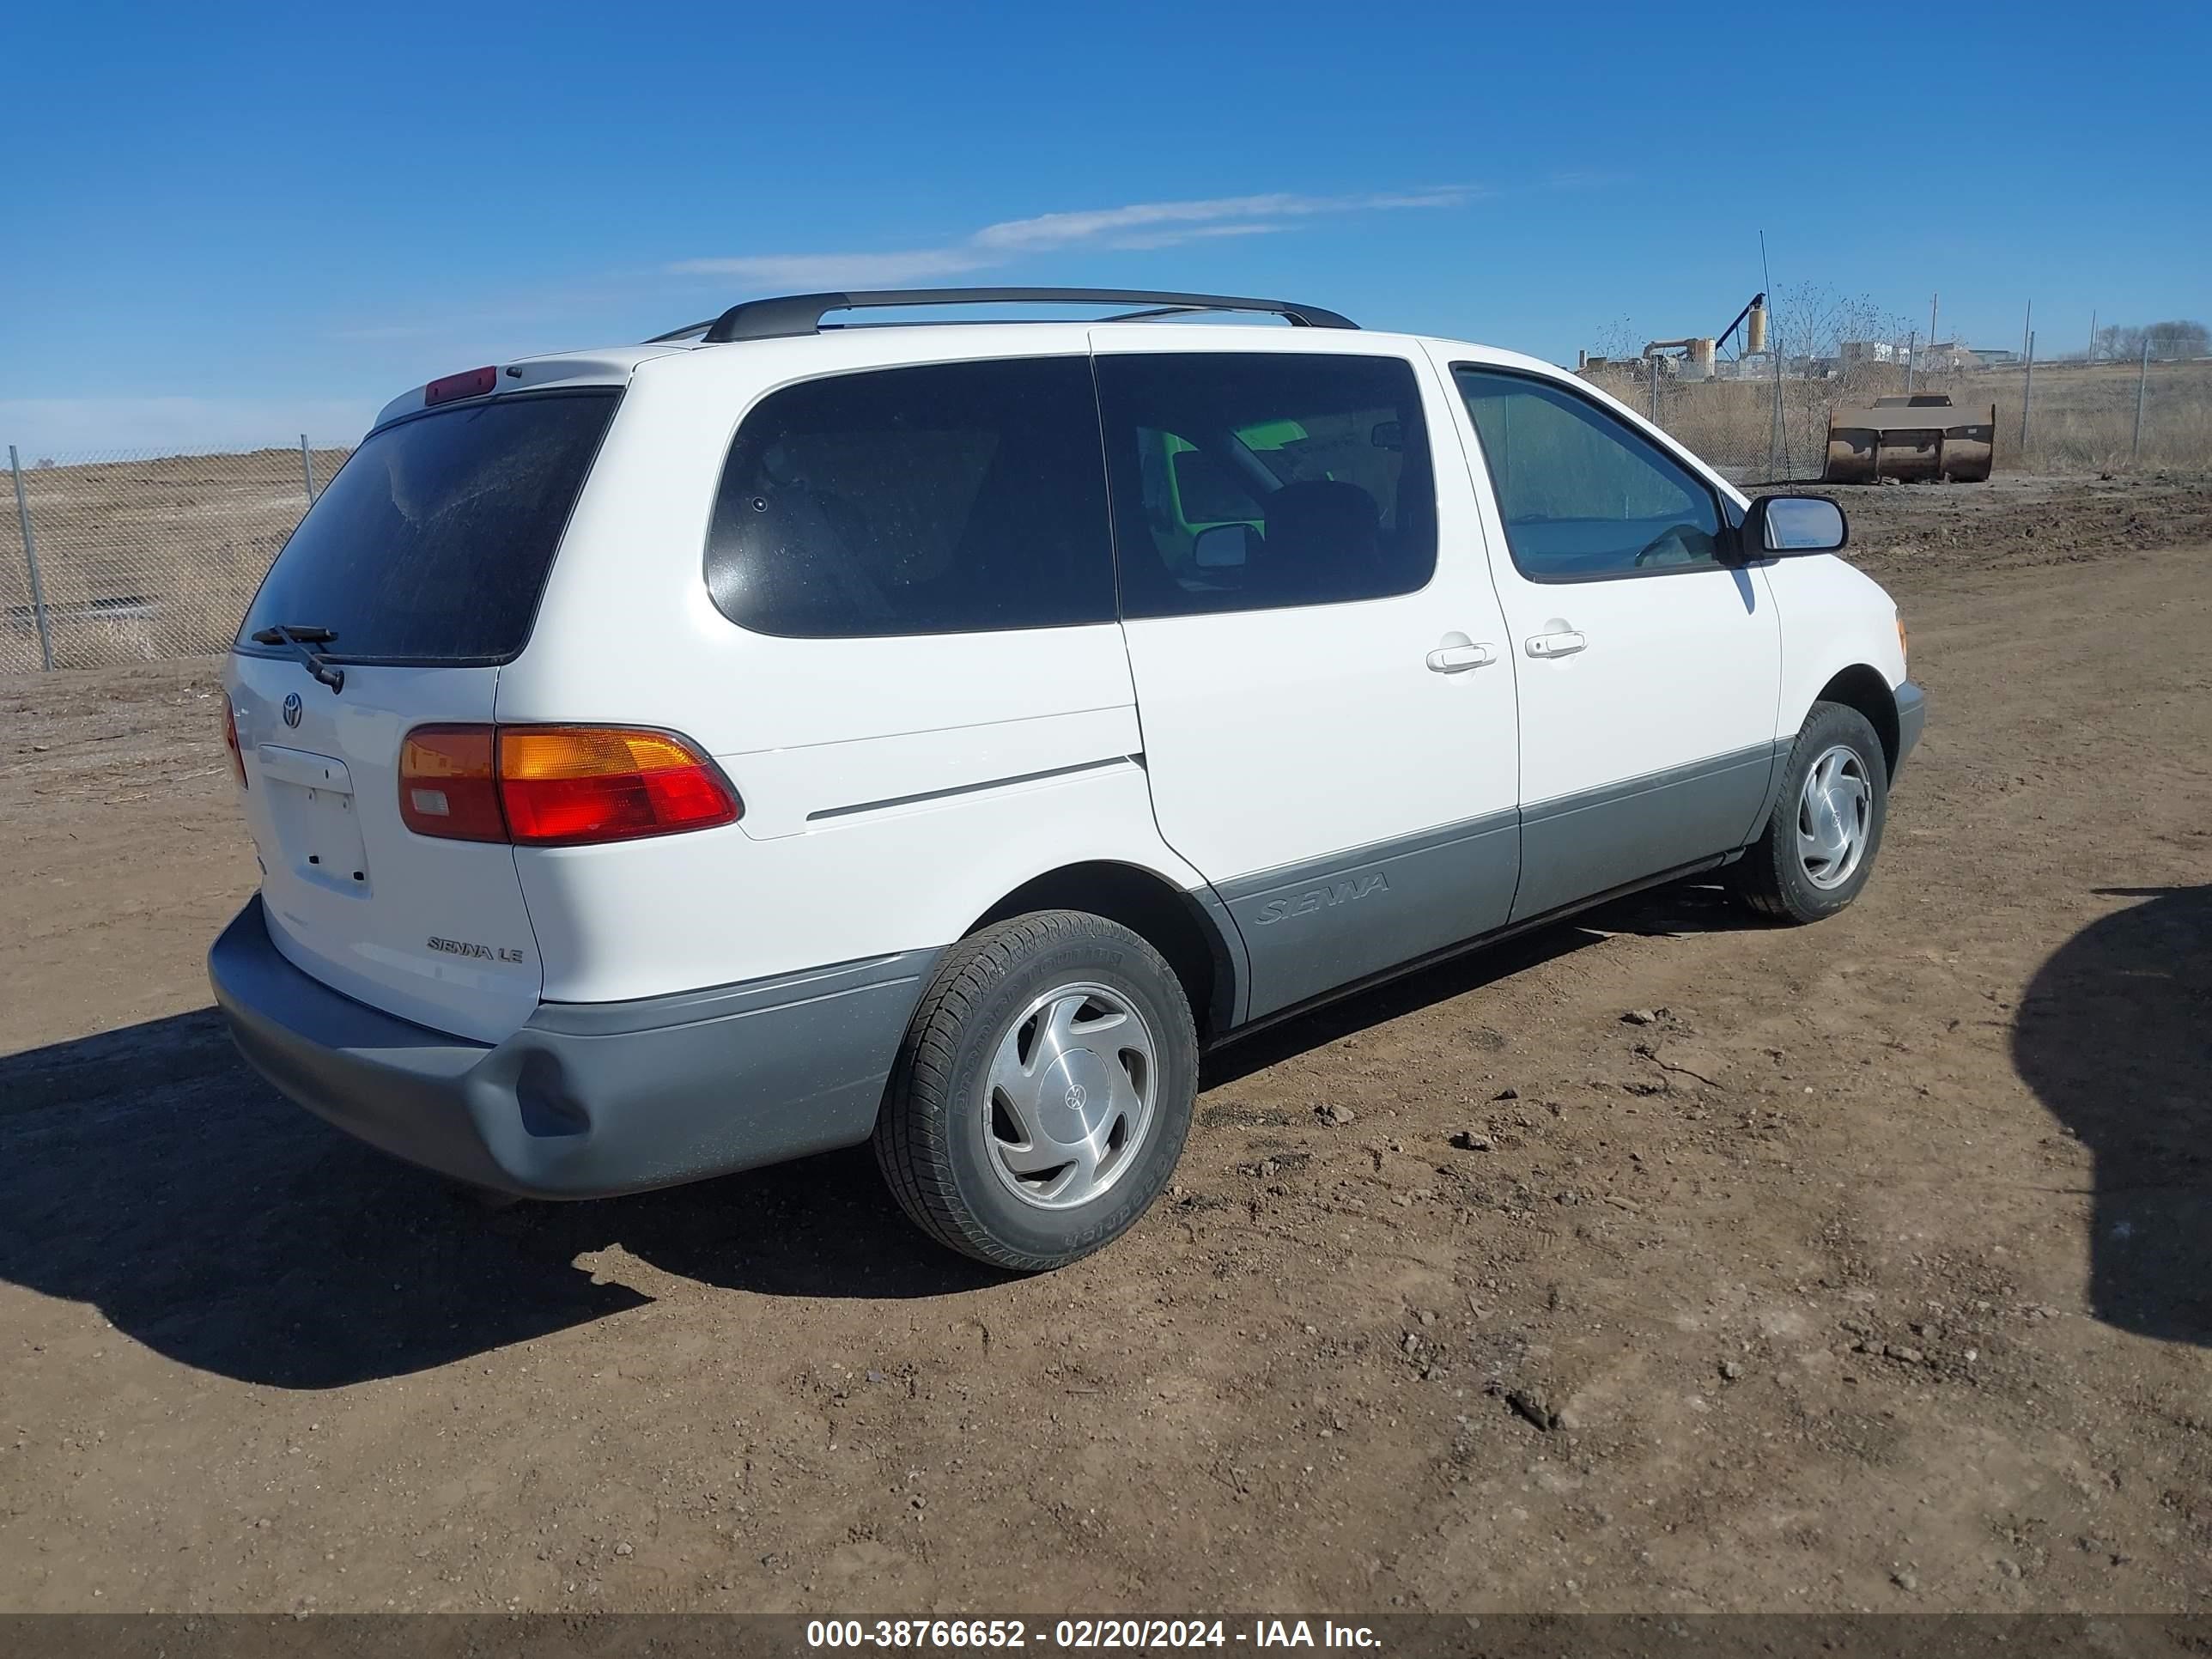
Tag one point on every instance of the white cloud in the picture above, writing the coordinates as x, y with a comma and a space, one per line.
87, 428
836, 270
1174, 238
1136, 226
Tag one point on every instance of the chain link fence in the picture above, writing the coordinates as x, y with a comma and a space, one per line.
2069, 418
124, 556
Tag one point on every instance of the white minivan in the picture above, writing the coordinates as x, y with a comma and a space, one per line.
673, 759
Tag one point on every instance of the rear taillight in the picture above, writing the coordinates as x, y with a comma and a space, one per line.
448, 784
564, 785
230, 741
558, 786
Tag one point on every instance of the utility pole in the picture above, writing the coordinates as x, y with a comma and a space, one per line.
2093, 337
1775, 460
1911, 341
1931, 319
2028, 330
38, 591
2142, 379
2026, 393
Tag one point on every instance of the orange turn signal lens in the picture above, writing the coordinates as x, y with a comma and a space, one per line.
567, 786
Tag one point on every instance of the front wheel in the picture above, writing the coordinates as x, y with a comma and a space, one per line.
1043, 1092
1819, 844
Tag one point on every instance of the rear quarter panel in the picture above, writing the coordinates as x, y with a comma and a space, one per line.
842, 750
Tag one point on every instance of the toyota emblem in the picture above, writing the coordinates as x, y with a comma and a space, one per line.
292, 708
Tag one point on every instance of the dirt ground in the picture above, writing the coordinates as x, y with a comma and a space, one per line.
1862, 1266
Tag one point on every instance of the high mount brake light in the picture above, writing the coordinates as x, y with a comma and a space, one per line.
470, 383
558, 786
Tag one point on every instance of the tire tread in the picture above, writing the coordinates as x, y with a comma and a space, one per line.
1761, 881
913, 1130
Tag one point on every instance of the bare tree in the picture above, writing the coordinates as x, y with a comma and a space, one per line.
1809, 324
1619, 339
2117, 343
2180, 337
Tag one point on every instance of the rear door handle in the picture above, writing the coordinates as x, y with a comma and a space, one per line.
1565, 643
1458, 658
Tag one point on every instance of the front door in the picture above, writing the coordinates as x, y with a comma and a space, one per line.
1649, 663
1321, 664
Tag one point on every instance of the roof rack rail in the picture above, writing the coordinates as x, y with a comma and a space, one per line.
802, 313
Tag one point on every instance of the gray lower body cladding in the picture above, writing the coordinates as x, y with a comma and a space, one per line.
1310, 926
584, 1100
1912, 720
1599, 839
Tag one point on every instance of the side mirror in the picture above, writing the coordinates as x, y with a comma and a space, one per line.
1783, 525
1225, 547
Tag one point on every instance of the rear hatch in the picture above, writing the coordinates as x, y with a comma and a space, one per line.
424, 561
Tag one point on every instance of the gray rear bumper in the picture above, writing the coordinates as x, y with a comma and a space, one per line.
1912, 720
584, 1100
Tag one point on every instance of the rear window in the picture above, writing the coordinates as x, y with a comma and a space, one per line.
947, 498
434, 541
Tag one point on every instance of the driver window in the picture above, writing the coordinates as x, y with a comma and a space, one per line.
1585, 496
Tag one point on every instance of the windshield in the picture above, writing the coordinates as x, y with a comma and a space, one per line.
434, 541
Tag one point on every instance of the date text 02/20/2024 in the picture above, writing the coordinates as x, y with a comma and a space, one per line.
1086, 1633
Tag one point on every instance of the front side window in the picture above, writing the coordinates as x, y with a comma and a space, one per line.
1252, 481
944, 498
1585, 496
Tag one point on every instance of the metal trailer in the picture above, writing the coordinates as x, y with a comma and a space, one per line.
1917, 439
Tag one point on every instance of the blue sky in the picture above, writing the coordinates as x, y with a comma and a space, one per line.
225, 223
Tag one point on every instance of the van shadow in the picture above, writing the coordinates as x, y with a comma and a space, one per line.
2114, 1035
1674, 911
148, 1173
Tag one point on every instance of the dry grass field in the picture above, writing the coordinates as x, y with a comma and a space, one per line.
2083, 419
145, 559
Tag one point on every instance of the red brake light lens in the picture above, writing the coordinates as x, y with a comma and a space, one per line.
567, 786
470, 383
558, 786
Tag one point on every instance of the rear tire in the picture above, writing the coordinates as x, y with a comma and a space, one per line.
1042, 1093
1819, 844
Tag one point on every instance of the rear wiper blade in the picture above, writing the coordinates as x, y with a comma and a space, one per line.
302, 641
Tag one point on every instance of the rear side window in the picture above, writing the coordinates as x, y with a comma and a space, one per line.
433, 541
950, 498
1252, 481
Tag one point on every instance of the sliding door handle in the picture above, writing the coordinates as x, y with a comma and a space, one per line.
1457, 656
